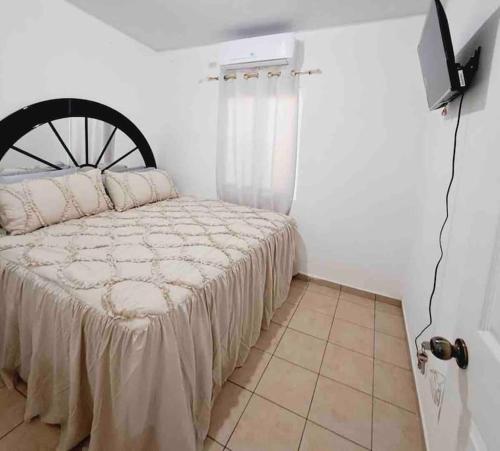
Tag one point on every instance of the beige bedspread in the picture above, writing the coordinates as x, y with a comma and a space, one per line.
125, 325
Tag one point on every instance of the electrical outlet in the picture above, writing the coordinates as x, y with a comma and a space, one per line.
437, 383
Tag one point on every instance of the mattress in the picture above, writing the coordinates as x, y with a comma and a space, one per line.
126, 325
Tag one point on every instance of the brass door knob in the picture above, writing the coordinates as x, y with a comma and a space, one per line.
444, 350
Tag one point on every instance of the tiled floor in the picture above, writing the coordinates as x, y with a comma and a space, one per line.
331, 373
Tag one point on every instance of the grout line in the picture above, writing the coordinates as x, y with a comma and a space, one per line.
296, 364
279, 405
329, 378
359, 304
352, 350
352, 290
393, 364
356, 324
390, 335
265, 369
320, 365
11, 430
219, 443
346, 385
239, 418
318, 373
313, 336
395, 405
336, 344
294, 309
336, 433
306, 420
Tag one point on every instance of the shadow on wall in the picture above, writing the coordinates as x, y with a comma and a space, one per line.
300, 254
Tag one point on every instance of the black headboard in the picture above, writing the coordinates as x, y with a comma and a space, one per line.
18, 124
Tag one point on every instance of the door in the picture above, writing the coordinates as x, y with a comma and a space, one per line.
479, 314
467, 417
467, 305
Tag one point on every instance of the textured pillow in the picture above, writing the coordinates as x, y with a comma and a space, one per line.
133, 189
32, 204
15, 178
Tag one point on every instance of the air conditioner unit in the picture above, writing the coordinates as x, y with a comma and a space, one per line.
272, 50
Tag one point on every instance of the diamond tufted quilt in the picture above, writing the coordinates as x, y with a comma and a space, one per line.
133, 320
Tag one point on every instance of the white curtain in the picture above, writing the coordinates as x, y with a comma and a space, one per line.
98, 134
257, 140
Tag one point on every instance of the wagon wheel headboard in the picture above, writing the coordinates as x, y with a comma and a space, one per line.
20, 123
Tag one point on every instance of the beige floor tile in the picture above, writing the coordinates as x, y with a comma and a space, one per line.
349, 367
212, 445
266, 426
299, 284
311, 322
388, 308
363, 301
227, 410
319, 303
395, 429
301, 349
392, 350
295, 295
288, 385
358, 292
249, 374
324, 290
270, 338
352, 336
316, 438
32, 436
395, 385
388, 300
11, 409
357, 314
343, 410
283, 315
390, 324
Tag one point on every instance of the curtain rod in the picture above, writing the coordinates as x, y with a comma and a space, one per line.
270, 74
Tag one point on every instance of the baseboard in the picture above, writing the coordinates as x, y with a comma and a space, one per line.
348, 289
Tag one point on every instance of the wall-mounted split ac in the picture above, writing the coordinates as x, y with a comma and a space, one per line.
272, 50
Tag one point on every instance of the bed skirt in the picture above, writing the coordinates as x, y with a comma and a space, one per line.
144, 388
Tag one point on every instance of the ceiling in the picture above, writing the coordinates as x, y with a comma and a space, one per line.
173, 24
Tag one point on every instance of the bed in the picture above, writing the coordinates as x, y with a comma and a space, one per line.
126, 324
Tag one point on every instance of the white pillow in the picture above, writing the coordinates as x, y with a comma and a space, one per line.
15, 178
133, 189
32, 204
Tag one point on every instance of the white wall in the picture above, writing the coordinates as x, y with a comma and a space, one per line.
49, 48
478, 139
360, 129
354, 175
373, 163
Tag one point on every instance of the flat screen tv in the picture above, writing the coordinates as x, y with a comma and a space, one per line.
443, 78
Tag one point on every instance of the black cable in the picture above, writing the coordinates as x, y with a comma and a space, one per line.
436, 269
